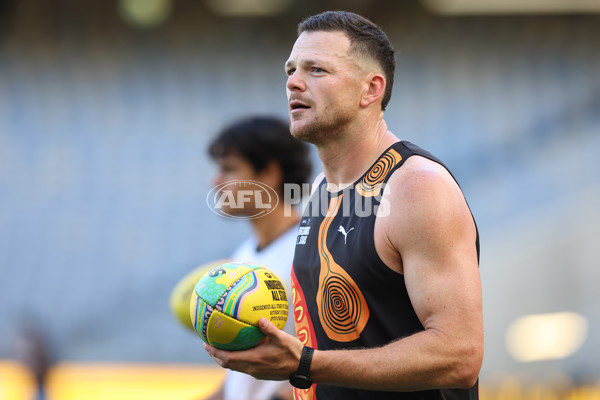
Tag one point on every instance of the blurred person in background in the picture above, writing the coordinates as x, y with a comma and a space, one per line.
32, 349
262, 150
388, 301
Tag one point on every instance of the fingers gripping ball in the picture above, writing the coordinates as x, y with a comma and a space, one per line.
179, 301
229, 301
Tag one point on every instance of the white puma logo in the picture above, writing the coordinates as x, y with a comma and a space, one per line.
343, 231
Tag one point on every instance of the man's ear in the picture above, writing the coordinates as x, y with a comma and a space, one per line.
375, 88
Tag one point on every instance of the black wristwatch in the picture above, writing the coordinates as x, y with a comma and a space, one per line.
300, 378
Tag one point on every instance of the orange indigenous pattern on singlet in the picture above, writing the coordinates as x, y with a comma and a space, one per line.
372, 183
343, 311
304, 332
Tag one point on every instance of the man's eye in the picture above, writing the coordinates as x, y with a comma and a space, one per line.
318, 70
290, 71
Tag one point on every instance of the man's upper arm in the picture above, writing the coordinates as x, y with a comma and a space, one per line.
431, 228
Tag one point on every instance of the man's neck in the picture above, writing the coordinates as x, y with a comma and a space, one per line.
270, 227
346, 160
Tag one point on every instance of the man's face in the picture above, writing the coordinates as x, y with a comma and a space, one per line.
324, 86
233, 167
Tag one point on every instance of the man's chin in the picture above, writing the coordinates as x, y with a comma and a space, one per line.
303, 132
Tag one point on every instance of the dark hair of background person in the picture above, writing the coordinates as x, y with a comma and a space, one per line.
365, 38
261, 140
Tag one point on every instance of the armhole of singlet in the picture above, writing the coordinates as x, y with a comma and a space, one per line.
371, 238
414, 150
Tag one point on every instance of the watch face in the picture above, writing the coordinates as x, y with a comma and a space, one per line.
300, 381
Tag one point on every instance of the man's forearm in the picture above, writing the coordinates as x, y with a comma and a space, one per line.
425, 360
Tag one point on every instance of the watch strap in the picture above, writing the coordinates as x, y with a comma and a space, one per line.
305, 360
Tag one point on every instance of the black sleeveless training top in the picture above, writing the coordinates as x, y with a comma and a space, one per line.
342, 292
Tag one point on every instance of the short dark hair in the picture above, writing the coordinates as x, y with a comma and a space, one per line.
260, 140
365, 38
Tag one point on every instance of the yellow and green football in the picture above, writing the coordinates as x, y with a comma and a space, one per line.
179, 300
230, 299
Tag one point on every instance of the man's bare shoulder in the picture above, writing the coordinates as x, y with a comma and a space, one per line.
425, 210
421, 177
